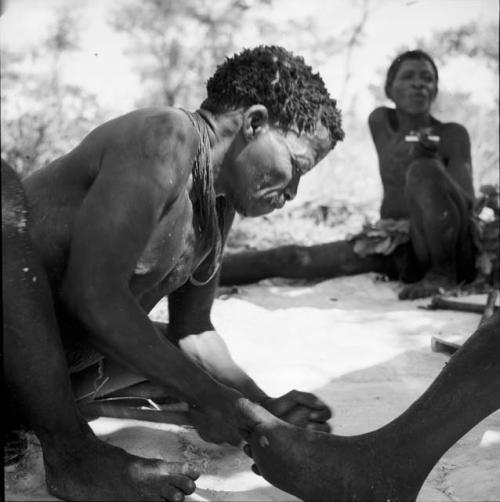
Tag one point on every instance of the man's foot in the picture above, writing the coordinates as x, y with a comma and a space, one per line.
432, 284
316, 466
99, 471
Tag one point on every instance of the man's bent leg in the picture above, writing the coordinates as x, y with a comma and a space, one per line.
333, 259
439, 227
393, 462
78, 466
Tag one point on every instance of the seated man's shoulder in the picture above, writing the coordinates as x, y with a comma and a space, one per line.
453, 129
378, 115
453, 133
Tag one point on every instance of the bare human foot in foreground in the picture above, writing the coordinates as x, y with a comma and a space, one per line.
392, 462
99, 471
314, 466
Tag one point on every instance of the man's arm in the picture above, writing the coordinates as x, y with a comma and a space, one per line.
110, 231
377, 123
190, 324
455, 148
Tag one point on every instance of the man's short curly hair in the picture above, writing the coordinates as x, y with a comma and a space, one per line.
398, 61
282, 82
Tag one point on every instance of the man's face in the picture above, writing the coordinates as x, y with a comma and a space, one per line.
414, 87
267, 171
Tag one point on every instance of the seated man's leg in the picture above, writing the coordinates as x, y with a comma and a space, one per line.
393, 462
333, 259
78, 465
439, 228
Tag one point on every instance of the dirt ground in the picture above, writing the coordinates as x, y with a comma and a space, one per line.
350, 341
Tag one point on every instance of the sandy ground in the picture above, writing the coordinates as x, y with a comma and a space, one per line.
350, 341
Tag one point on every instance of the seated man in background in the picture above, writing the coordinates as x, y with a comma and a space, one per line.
140, 210
426, 232
425, 166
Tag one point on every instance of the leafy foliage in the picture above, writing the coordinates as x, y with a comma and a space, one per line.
173, 65
43, 118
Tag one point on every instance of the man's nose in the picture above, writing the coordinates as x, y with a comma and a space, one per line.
291, 190
418, 82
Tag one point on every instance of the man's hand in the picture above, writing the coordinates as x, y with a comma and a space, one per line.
424, 143
218, 424
301, 409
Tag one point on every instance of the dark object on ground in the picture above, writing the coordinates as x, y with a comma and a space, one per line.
440, 303
439, 344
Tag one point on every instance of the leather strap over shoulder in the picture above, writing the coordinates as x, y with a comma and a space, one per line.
211, 222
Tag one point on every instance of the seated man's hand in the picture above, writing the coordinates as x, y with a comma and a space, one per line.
428, 144
301, 409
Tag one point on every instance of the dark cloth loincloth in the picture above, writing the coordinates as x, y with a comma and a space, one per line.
392, 237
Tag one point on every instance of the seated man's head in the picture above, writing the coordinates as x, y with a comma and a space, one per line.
412, 82
288, 124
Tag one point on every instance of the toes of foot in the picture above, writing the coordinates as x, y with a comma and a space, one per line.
173, 495
184, 468
318, 426
183, 483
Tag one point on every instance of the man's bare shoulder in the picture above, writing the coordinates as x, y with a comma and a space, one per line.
160, 139
166, 132
453, 131
379, 115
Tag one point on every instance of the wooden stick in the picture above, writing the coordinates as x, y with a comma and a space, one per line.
438, 302
441, 345
490, 305
96, 409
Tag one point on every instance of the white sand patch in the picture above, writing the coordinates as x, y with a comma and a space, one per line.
350, 341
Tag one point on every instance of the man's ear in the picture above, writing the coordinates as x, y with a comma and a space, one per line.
255, 120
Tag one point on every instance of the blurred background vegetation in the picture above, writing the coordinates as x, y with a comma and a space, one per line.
174, 46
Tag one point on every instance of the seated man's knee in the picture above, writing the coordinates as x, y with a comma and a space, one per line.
424, 172
14, 204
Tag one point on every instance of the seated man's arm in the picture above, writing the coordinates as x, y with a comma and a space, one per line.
377, 123
455, 148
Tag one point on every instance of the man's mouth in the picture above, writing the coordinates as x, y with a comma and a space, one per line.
276, 200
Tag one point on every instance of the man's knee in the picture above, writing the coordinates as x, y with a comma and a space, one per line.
14, 205
425, 172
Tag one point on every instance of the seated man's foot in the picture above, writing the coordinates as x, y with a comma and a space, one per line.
94, 470
316, 466
432, 284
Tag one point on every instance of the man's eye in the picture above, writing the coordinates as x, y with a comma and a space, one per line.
302, 167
